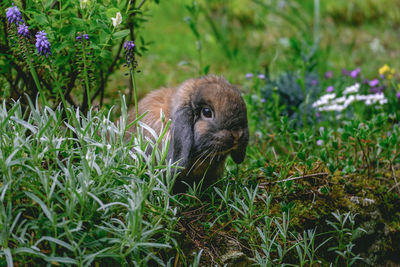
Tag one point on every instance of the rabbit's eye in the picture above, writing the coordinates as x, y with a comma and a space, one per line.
206, 113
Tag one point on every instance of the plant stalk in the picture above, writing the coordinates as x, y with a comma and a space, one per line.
35, 77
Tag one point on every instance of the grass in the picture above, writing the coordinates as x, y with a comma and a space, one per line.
74, 192
261, 37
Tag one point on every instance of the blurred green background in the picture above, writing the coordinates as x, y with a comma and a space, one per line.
265, 36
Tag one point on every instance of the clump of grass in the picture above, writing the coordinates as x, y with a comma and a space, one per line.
74, 192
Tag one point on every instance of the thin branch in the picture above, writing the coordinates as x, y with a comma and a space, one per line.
70, 86
296, 178
54, 4
110, 70
141, 4
102, 86
396, 185
223, 226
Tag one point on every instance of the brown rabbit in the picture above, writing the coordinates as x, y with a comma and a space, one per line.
208, 122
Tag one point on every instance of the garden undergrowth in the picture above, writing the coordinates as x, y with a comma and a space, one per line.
320, 183
75, 191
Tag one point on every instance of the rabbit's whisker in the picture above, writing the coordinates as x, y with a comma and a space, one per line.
201, 163
199, 158
205, 158
214, 154
209, 155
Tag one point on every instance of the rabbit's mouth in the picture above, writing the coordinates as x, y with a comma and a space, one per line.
224, 151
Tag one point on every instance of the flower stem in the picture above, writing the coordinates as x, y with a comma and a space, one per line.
108, 39
86, 79
135, 92
58, 86
35, 78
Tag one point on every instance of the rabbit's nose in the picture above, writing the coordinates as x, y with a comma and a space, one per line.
237, 134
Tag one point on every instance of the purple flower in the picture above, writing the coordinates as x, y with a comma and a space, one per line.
377, 90
80, 36
320, 142
398, 95
261, 76
374, 90
345, 72
328, 74
129, 47
365, 81
14, 15
314, 82
249, 76
354, 73
263, 100
317, 115
373, 82
42, 44
23, 30
330, 89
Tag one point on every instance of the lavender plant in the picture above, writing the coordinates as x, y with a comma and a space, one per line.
88, 199
129, 47
78, 47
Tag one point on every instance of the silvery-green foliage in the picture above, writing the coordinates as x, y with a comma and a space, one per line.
75, 190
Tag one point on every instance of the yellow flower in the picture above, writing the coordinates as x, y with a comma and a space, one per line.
390, 74
385, 68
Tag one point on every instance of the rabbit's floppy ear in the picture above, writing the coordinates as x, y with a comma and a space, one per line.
181, 136
239, 153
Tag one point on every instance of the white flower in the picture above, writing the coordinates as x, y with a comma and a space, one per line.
329, 102
333, 107
117, 20
83, 3
376, 46
368, 201
355, 199
323, 100
352, 89
340, 99
360, 97
320, 142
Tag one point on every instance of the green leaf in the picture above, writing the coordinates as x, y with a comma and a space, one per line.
120, 34
206, 69
41, 19
106, 54
61, 260
9, 258
112, 12
68, 31
301, 155
78, 21
57, 241
48, 5
42, 205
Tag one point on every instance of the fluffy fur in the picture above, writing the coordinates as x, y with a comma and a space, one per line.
201, 143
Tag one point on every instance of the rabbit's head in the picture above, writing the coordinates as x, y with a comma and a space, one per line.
209, 122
